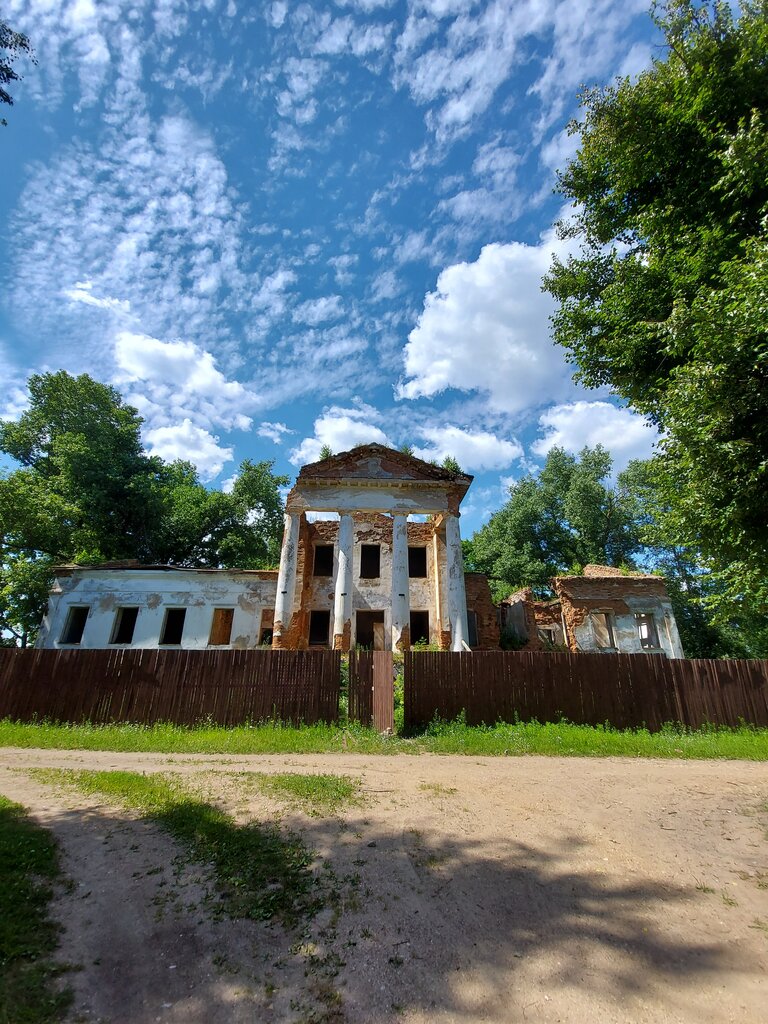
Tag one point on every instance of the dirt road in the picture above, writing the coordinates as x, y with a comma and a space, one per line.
475, 889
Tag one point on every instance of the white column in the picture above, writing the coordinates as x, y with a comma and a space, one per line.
401, 605
286, 578
342, 604
456, 603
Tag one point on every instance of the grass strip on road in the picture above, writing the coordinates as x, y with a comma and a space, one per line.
558, 738
262, 871
29, 866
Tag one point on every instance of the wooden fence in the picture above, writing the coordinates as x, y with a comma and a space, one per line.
627, 690
185, 687
371, 689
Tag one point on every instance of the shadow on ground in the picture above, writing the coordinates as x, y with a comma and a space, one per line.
433, 928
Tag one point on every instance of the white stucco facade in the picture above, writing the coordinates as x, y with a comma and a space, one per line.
104, 592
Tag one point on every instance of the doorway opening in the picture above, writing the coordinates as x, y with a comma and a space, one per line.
370, 630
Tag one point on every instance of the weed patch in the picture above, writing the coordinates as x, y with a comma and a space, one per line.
317, 795
28, 867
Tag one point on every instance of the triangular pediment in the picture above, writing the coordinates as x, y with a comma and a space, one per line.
377, 462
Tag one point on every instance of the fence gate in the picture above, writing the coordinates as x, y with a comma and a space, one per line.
371, 689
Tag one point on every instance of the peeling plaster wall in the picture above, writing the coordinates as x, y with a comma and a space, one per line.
622, 597
249, 594
316, 593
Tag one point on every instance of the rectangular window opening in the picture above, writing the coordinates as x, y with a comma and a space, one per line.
417, 563
319, 628
419, 628
472, 628
173, 627
221, 627
323, 560
75, 625
265, 637
602, 628
646, 630
370, 561
125, 624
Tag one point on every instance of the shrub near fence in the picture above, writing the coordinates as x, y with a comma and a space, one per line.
183, 687
626, 690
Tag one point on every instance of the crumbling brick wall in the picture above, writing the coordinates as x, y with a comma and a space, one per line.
480, 601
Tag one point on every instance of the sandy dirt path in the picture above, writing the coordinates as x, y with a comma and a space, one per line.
476, 889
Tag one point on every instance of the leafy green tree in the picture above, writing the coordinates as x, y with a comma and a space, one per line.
563, 518
325, 452
452, 464
86, 491
665, 302
12, 46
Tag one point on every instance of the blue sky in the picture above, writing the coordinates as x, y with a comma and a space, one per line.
282, 225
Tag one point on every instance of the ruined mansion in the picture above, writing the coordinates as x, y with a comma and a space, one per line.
371, 556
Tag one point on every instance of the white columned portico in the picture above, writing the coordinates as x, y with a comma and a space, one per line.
401, 605
456, 603
286, 578
342, 604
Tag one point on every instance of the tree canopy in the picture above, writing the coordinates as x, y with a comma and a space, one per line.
86, 491
566, 516
666, 300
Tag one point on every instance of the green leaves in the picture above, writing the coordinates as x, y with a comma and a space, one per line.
86, 491
567, 516
666, 302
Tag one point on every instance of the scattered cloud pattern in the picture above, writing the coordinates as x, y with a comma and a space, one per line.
282, 226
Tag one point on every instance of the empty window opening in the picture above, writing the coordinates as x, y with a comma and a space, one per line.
221, 627
319, 628
323, 560
417, 563
370, 561
74, 626
472, 629
125, 624
547, 635
602, 628
646, 629
419, 627
173, 627
369, 632
265, 637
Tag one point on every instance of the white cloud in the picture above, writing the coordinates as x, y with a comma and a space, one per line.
340, 429
83, 292
156, 227
318, 311
576, 424
485, 328
385, 285
273, 431
473, 450
186, 441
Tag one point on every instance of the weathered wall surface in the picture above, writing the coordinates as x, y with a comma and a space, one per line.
622, 597
316, 593
480, 600
153, 591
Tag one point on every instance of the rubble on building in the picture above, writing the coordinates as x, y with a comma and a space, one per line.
602, 610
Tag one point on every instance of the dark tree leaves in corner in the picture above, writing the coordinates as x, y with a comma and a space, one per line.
12, 46
665, 301
86, 491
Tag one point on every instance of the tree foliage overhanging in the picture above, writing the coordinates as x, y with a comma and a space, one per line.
86, 491
12, 46
667, 299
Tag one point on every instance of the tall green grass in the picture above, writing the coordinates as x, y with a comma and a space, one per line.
28, 936
559, 738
